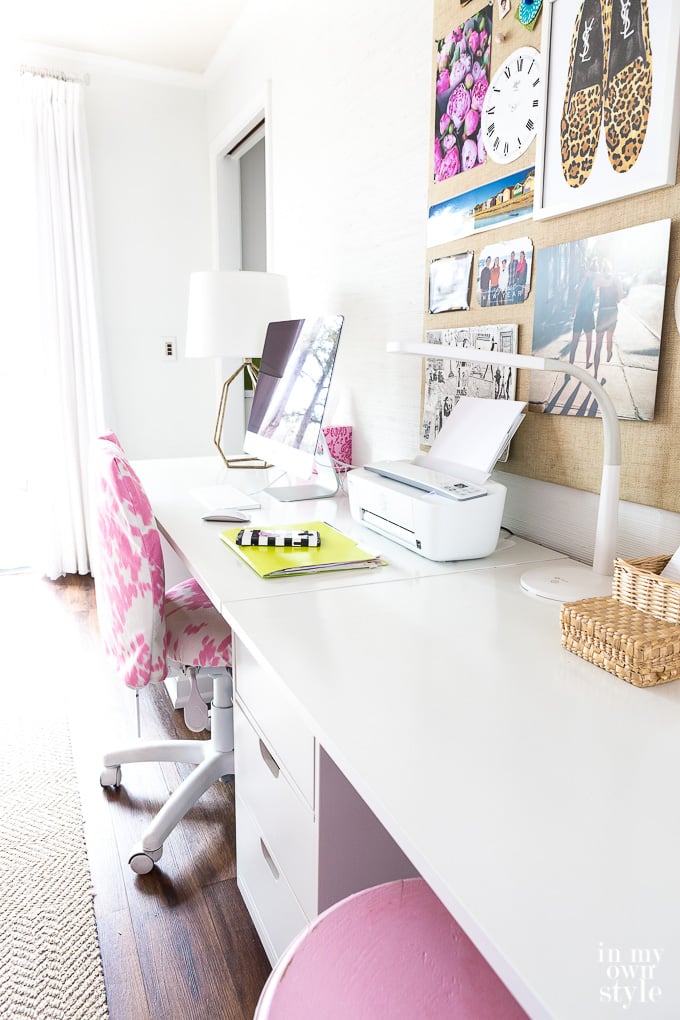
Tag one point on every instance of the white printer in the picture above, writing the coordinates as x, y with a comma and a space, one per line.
443, 504
412, 506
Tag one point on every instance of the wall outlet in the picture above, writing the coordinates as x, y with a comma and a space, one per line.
169, 348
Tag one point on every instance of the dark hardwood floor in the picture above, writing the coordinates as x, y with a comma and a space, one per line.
177, 943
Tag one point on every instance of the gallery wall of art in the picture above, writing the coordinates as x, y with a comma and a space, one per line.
567, 230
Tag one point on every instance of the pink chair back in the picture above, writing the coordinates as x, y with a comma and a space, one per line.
129, 570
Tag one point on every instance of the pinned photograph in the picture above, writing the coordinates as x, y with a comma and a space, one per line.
446, 381
462, 78
504, 273
599, 304
508, 199
450, 283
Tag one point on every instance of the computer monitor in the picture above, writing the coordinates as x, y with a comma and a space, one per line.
289, 401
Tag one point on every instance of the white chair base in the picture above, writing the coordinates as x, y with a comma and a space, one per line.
213, 758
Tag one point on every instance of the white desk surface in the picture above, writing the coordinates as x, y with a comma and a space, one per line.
536, 793
225, 577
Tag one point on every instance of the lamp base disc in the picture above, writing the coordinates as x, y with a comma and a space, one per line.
565, 581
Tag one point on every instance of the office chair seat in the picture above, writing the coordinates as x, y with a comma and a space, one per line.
389, 951
142, 627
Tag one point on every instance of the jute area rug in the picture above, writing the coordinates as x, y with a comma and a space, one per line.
50, 965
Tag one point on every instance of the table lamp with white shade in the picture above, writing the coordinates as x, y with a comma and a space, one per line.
228, 315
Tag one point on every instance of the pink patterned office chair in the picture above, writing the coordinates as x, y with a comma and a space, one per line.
143, 626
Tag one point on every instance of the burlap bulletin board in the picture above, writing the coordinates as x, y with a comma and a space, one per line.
555, 448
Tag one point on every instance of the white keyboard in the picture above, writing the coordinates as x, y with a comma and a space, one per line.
427, 479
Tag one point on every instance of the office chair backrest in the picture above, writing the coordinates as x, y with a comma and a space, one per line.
129, 569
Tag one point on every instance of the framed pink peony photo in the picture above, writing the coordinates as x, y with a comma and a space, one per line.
461, 81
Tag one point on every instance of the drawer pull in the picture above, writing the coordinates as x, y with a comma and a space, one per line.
269, 760
268, 858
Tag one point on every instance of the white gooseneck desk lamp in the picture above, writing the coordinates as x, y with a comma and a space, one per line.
228, 315
561, 580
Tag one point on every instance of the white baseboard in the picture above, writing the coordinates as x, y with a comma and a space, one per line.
564, 519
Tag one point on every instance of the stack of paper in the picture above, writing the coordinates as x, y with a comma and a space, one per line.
336, 552
473, 438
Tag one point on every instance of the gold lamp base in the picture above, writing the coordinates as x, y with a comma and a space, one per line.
249, 369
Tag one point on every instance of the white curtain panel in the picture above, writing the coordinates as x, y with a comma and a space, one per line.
67, 393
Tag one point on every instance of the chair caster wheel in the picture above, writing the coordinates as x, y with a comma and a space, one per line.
110, 776
142, 861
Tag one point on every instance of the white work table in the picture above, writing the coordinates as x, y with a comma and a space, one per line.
224, 577
534, 792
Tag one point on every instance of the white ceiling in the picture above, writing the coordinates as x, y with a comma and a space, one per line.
182, 35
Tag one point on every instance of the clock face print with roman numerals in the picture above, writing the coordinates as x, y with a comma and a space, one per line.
512, 105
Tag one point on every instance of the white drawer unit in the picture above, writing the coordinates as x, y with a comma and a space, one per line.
276, 830
273, 906
285, 819
278, 719
304, 837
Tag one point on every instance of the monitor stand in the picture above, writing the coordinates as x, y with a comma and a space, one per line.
323, 484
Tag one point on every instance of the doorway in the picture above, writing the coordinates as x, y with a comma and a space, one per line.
242, 199
242, 235
253, 208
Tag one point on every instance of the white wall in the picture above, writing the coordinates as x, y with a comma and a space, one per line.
350, 133
16, 416
151, 198
350, 124
151, 203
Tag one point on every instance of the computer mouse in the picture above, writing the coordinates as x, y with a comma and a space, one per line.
227, 516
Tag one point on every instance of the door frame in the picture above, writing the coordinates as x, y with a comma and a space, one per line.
225, 186
225, 194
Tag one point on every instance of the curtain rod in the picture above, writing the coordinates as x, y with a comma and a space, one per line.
46, 72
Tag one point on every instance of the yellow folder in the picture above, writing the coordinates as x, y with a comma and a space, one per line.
336, 552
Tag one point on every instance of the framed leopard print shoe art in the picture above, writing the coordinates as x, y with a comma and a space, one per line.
581, 122
611, 107
628, 89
